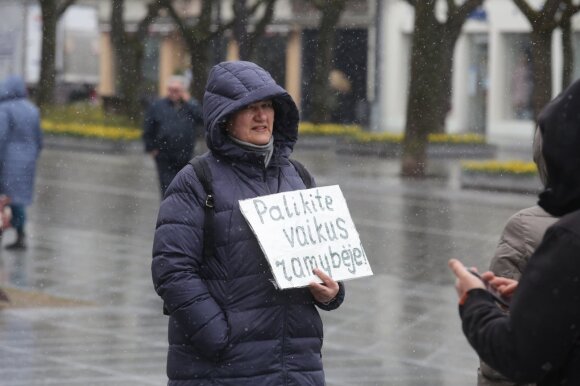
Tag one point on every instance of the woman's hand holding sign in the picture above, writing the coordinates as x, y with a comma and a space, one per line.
325, 292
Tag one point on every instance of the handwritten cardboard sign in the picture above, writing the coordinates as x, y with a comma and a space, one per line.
306, 229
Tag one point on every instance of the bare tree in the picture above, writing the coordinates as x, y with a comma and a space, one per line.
199, 36
570, 9
128, 48
330, 13
433, 45
245, 38
543, 22
51, 10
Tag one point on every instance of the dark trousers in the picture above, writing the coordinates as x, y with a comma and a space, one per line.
167, 168
18, 217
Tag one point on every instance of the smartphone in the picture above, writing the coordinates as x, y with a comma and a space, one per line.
495, 293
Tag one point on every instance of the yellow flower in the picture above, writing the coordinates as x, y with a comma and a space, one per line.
91, 130
500, 167
356, 133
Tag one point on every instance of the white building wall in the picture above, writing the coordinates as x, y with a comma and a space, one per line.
398, 23
503, 17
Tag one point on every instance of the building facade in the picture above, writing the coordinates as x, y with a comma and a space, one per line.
492, 80
287, 50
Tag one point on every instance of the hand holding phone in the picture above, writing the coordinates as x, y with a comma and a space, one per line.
497, 296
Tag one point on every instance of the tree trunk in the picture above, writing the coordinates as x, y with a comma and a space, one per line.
47, 79
541, 68
241, 28
128, 50
429, 97
200, 66
446, 82
425, 89
321, 100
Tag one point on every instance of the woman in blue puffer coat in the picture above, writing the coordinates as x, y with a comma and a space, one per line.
228, 324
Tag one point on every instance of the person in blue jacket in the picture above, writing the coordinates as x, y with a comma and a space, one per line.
20, 145
170, 129
228, 324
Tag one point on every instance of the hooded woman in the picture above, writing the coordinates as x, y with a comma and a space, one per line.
537, 341
20, 145
228, 324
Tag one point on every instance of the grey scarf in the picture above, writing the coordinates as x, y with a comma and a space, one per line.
266, 150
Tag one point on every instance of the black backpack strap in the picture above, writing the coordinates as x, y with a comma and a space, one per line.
304, 174
203, 174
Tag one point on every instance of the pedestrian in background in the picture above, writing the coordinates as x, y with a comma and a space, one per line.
228, 323
20, 145
520, 238
170, 128
538, 340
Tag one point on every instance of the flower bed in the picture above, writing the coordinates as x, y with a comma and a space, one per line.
91, 126
438, 146
352, 139
513, 176
91, 131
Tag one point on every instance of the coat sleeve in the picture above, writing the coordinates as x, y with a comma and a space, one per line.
540, 331
150, 128
336, 302
177, 258
510, 255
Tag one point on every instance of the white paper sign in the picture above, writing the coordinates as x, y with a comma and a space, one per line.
306, 229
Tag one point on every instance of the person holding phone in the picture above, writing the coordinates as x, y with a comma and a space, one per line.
538, 340
170, 129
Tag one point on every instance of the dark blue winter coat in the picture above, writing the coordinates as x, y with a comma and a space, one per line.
228, 324
20, 141
171, 129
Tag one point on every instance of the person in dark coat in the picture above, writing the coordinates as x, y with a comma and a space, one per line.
520, 238
169, 130
20, 145
228, 324
538, 340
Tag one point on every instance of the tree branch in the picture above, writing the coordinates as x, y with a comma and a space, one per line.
569, 11
152, 13
318, 4
451, 7
527, 10
549, 9
62, 8
261, 25
177, 20
466, 8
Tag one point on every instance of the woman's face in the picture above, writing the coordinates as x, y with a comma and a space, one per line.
254, 123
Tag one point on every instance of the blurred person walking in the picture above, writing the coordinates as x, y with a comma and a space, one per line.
170, 129
20, 145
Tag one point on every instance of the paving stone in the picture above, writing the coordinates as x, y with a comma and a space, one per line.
91, 230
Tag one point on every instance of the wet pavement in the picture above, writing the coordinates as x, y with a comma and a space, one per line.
90, 233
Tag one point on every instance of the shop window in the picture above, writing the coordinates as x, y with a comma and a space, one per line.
519, 82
